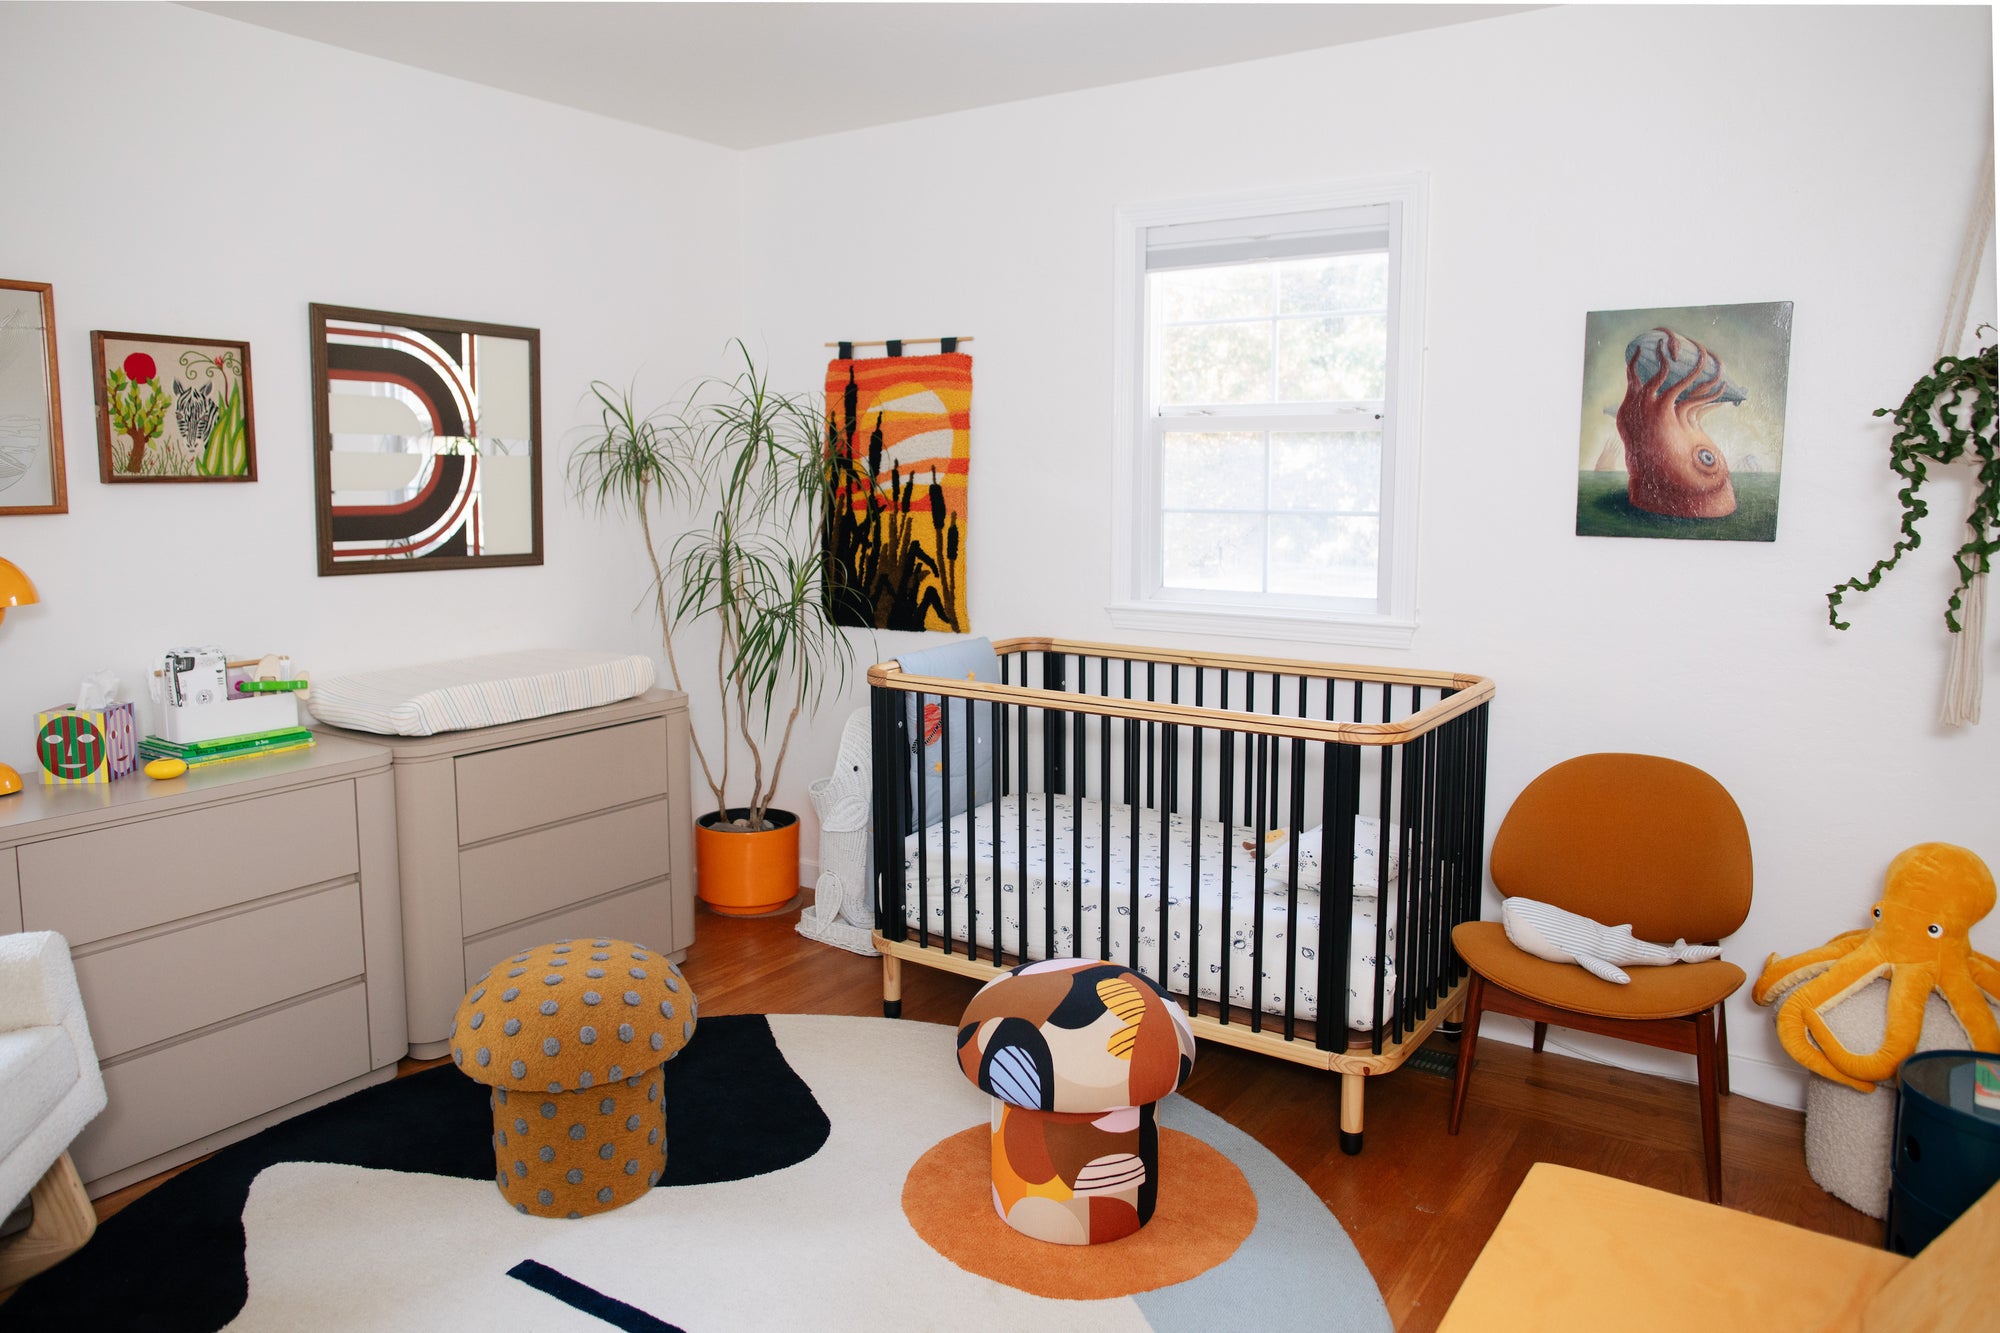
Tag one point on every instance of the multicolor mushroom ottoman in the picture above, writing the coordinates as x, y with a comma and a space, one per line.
573, 1038
1074, 1054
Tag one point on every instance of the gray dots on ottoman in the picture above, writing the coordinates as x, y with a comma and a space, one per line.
520, 1207
500, 1139
632, 1122
584, 1080
657, 1041
608, 1151
520, 1126
555, 1085
607, 1106
632, 997
512, 1027
638, 974
624, 1032
549, 1008
632, 1167
653, 1137
604, 1195
592, 997
500, 1096
520, 1168
576, 1132
551, 1046
574, 1175
552, 979
673, 981
586, 1034
519, 1069
511, 994
516, 971
666, 1008
545, 1198
548, 1110
547, 1154
476, 997
477, 1021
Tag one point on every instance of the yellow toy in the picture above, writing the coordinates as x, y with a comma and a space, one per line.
162, 769
1931, 898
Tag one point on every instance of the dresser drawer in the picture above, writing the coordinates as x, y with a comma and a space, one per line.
644, 915
151, 871
154, 988
180, 1093
10, 894
506, 881
544, 782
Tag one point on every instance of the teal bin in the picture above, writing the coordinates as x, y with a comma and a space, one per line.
1947, 1144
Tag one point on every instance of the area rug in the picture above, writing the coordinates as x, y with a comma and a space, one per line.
806, 1155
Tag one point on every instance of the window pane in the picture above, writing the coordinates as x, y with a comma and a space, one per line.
1337, 359
1338, 470
1216, 363
1224, 552
1233, 292
1323, 555
1212, 471
1335, 283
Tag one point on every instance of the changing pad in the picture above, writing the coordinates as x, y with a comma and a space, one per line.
478, 691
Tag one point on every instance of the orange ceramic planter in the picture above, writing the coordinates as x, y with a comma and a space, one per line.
740, 873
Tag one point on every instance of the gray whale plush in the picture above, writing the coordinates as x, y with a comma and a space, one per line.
1547, 931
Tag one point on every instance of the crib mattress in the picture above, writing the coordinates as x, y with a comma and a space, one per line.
1051, 874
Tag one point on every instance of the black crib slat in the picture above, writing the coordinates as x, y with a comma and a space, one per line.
1167, 775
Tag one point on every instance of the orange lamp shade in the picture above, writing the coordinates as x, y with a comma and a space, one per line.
15, 587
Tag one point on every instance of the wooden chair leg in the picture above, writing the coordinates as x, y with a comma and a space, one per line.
1722, 1046
1711, 1117
1541, 1035
63, 1221
1468, 1046
892, 986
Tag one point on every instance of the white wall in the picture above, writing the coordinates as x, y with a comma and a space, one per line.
1579, 159
174, 172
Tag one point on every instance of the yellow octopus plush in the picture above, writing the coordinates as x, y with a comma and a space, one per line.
1931, 898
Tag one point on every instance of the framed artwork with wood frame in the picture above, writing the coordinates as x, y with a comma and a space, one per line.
31, 452
172, 409
427, 442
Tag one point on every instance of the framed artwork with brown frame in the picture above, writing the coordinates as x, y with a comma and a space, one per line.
427, 442
31, 444
172, 409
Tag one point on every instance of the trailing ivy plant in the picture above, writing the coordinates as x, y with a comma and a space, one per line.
1948, 415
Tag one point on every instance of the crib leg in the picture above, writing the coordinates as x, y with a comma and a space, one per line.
1352, 1087
892, 986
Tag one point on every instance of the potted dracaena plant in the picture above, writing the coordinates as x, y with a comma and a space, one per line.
751, 468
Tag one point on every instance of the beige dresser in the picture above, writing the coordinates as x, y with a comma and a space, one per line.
237, 940
576, 824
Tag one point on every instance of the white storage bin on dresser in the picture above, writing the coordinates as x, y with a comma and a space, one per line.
237, 938
575, 824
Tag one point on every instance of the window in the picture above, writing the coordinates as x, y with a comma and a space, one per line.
1268, 458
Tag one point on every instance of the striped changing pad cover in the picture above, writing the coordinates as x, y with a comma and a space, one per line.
478, 691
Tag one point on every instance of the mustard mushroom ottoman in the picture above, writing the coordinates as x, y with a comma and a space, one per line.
1074, 1054
573, 1038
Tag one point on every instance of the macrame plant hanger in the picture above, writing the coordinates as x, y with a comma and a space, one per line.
1965, 674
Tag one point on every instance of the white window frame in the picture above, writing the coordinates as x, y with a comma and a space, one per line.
1138, 600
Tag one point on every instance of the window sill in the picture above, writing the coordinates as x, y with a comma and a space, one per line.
1264, 623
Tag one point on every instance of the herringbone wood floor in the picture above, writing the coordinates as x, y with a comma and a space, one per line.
1418, 1202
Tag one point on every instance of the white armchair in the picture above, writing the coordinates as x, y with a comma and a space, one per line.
50, 1088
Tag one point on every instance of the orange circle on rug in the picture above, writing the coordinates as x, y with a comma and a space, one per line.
1206, 1210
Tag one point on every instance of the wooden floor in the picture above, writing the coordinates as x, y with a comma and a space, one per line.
1417, 1202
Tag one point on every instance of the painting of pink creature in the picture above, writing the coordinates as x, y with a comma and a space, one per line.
1683, 427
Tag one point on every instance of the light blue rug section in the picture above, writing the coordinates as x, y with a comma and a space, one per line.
1298, 1269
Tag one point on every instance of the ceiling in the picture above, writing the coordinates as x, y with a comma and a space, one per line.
744, 75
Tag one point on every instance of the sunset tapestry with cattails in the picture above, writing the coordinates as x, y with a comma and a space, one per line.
899, 435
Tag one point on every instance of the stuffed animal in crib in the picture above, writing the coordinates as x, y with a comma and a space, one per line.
1547, 931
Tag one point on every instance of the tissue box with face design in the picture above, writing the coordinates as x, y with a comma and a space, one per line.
87, 745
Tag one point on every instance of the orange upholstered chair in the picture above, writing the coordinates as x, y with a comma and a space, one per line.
1619, 838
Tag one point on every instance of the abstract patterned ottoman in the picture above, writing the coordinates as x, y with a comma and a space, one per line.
1075, 1053
573, 1038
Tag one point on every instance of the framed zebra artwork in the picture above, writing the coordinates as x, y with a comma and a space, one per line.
172, 409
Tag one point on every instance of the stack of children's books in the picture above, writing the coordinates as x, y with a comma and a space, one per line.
222, 749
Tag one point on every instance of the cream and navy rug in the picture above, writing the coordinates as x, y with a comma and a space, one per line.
820, 1175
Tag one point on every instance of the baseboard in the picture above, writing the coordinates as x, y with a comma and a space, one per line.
1760, 1080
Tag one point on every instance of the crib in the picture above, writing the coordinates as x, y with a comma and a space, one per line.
1284, 845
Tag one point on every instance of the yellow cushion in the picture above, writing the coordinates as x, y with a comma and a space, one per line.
1576, 1250
1672, 991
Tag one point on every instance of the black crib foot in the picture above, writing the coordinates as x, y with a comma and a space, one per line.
892, 1008
1350, 1143
1451, 1031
